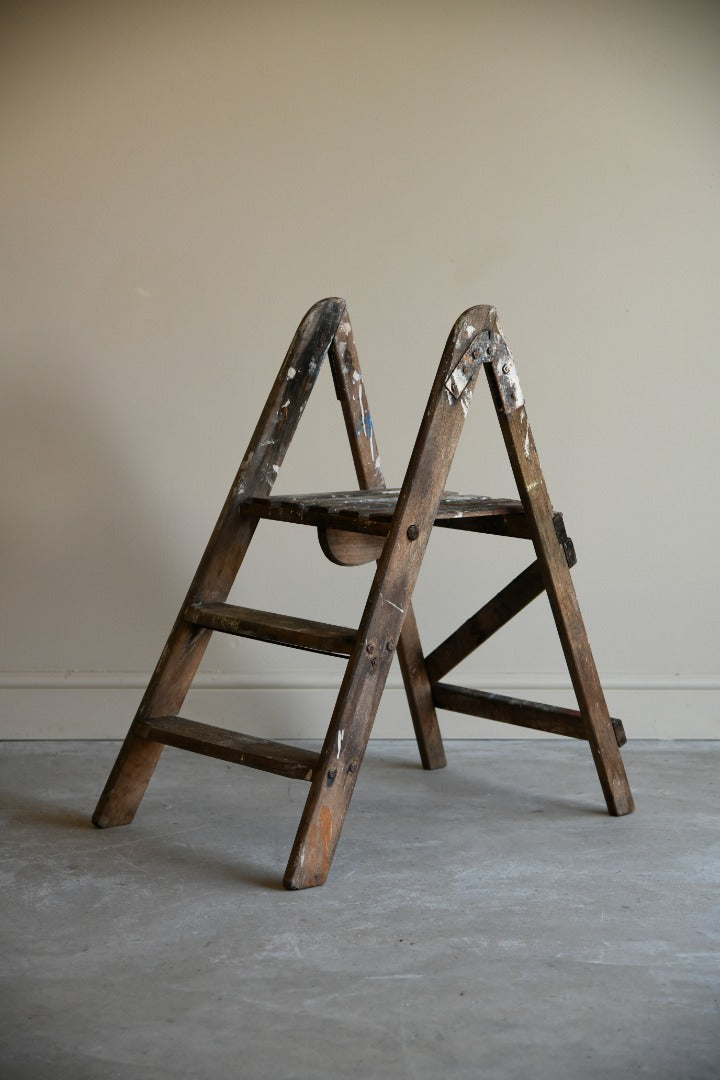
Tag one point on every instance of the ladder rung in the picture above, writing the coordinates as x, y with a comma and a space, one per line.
509, 710
291, 761
269, 626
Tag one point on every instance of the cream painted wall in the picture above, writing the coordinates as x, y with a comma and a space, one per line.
180, 181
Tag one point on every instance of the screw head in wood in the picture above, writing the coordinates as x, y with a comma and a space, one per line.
506, 369
413, 532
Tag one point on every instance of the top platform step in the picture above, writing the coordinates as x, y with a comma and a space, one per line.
371, 511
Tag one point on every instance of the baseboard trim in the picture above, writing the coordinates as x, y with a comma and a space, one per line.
137, 680
92, 704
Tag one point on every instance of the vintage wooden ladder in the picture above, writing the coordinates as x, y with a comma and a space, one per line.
392, 527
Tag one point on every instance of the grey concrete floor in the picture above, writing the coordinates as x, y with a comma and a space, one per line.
486, 921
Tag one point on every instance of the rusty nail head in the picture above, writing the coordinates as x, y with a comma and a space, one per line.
390, 645
352, 767
413, 532
475, 353
370, 648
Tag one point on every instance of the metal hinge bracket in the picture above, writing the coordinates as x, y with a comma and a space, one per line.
488, 347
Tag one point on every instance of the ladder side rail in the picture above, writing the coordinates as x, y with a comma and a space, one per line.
522, 452
350, 390
221, 560
387, 603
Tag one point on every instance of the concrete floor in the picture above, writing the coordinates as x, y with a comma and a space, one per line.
486, 921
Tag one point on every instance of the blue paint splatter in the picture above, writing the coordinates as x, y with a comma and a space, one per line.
366, 426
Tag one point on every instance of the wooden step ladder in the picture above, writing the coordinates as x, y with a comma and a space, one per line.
391, 526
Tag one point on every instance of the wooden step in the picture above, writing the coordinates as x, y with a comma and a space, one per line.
371, 511
278, 629
291, 761
509, 710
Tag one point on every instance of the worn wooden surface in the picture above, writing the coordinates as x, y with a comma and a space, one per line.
487, 621
393, 527
512, 710
551, 555
292, 761
273, 627
372, 511
219, 565
384, 614
349, 548
350, 390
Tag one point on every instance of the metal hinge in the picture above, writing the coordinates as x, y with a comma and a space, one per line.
488, 347
565, 541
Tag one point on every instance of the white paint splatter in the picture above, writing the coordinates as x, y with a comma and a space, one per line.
386, 601
285, 405
356, 376
341, 736
469, 329
291, 373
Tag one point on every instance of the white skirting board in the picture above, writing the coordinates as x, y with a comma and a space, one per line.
100, 705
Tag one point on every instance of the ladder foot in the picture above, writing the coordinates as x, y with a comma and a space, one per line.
127, 783
309, 863
621, 803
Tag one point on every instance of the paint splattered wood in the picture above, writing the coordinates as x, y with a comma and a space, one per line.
525, 463
393, 527
390, 594
350, 390
223, 555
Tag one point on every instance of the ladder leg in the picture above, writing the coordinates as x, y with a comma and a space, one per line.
127, 782
350, 727
164, 696
350, 391
387, 606
221, 561
419, 695
563, 601
351, 724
